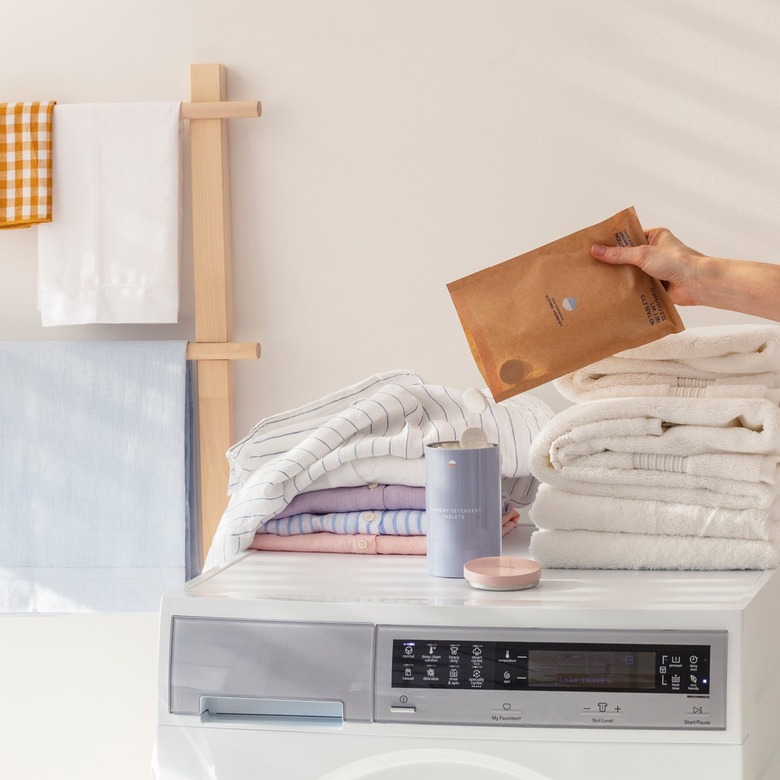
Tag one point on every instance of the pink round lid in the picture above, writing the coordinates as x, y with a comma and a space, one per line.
502, 573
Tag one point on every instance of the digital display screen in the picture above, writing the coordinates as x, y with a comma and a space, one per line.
473, 665
601, 669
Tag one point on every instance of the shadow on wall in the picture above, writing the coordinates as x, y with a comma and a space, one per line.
696, 132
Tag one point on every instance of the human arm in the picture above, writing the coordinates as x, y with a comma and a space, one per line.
692, 278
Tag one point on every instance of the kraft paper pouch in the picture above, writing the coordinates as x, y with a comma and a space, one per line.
555, 309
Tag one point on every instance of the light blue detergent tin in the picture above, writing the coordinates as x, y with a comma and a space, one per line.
462, 505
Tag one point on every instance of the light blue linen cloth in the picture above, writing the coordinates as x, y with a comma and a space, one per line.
93, 495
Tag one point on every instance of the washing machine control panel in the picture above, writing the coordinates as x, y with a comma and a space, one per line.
538, 677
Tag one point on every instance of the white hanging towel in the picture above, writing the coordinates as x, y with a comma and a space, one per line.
111, 252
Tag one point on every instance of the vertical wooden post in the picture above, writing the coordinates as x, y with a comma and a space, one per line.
213, 296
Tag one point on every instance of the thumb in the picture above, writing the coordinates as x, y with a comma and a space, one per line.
617, 254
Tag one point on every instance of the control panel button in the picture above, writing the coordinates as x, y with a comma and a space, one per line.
507, 714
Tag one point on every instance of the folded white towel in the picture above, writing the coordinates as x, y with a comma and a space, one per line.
715, 452
111, 252
388, 416
561, 510
717, 361
599, 550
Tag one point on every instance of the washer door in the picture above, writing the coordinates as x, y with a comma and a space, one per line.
433, 765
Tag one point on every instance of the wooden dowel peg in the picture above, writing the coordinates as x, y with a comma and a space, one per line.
230, 350
221, 109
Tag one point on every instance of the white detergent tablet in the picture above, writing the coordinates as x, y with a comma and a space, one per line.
500, 572
475, 400
474, 439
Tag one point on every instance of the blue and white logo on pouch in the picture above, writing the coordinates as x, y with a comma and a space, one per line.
569, 303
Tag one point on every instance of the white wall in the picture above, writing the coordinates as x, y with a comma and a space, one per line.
79, 696
402, 145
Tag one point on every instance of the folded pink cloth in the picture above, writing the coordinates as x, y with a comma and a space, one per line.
324, 541
362, 544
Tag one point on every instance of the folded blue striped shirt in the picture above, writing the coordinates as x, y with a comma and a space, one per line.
396, 522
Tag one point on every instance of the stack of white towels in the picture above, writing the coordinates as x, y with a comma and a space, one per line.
668, 458
356, 445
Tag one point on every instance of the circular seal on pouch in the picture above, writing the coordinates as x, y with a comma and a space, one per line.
501, 572
514, 371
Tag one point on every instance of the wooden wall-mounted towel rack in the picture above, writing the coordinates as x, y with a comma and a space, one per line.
213, 349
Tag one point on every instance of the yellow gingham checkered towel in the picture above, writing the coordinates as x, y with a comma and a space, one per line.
25, 163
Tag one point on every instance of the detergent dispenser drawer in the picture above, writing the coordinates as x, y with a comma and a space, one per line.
278, 670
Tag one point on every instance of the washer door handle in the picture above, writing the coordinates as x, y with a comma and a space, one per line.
299, 710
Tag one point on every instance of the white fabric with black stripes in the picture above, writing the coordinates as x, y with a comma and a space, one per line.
373, 431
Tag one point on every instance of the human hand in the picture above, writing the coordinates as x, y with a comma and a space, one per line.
664, 257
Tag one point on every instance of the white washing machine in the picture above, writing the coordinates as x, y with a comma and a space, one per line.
285, 666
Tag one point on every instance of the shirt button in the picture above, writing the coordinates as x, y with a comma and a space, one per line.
367, 517
372, 485
362, 544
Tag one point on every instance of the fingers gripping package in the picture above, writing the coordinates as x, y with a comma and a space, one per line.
555, 309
